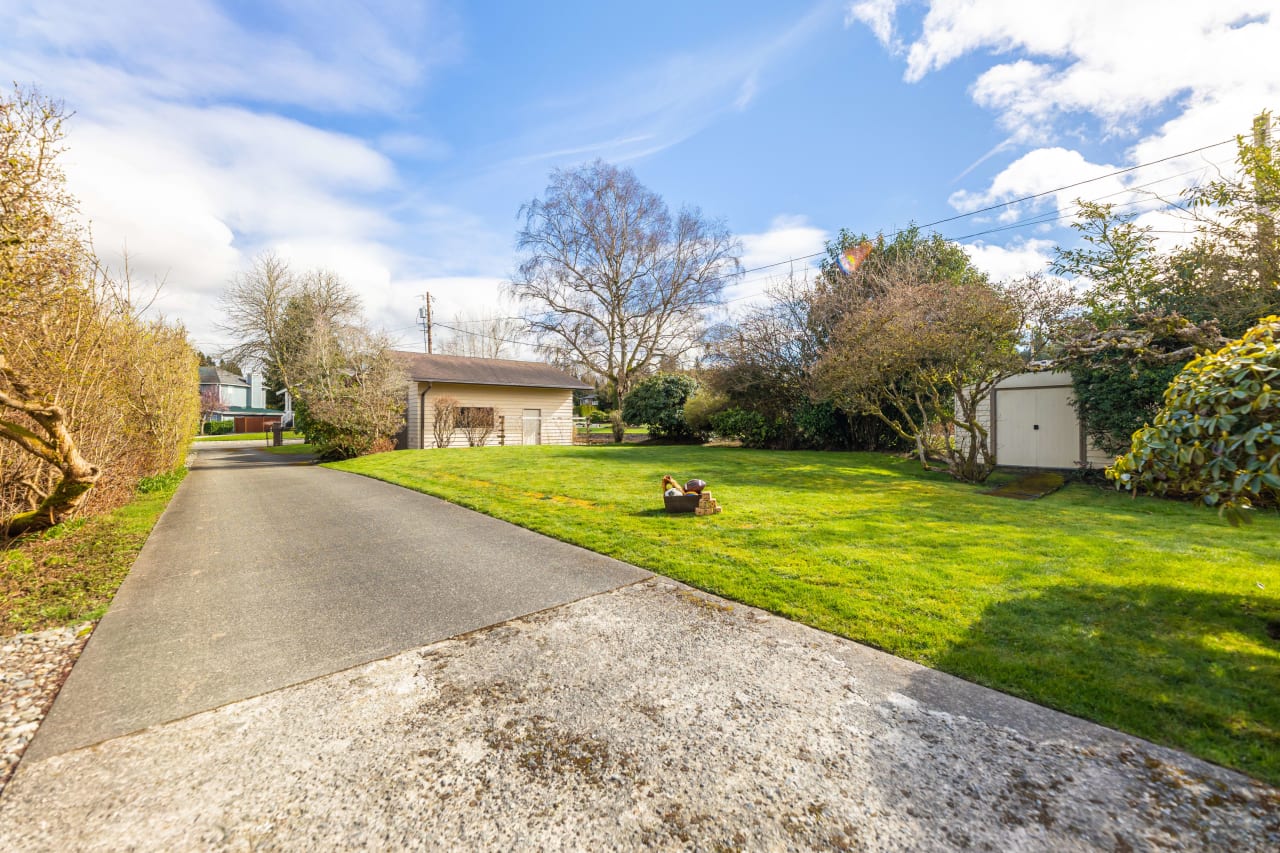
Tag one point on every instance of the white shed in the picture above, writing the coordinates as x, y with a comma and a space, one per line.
529, 402
1034, 425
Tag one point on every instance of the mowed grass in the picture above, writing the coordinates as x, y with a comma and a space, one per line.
1148, 616
69, 573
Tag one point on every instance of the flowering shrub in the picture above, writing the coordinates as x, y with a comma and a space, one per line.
1217, 438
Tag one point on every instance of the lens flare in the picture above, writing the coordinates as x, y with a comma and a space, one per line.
851, 259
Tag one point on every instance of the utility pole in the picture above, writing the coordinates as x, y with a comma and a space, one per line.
424, 320
1265, 212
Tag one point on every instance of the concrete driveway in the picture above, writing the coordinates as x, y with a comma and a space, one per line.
647, 716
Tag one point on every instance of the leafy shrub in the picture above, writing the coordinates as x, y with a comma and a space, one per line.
596, 416
699, 409
751, 428
618, 425
658, 402
1117, 396
218, 427
1218, 436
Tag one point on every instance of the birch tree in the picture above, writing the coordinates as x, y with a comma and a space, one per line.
612, 279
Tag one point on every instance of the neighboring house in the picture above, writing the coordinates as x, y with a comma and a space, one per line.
244, 400
1033, 424
531, 403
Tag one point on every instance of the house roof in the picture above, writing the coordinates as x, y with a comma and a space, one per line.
485, 371
249, 410
218, 376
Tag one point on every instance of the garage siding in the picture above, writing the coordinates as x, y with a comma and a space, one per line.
509, 403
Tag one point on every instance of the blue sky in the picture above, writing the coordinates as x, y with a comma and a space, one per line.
394, 142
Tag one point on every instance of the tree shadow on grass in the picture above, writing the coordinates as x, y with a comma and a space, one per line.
657, 512
1183, 668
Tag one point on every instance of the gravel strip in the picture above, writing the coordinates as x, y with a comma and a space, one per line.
651, 717
32, 669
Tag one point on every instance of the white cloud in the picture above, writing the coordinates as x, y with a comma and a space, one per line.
1018, 259
1119, 62
178, 150
414, 146
1107, 58
787, 237
1196, 68
192, 192
1036, 172
878, 16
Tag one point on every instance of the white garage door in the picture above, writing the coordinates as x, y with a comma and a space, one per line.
1036, 428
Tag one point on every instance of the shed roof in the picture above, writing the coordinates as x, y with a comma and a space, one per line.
218, 376
485, 371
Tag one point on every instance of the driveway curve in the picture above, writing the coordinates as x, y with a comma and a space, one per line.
267, 571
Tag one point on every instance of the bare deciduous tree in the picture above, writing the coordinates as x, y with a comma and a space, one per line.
488, 334
476, 423
270, 311
611, 278
445, 420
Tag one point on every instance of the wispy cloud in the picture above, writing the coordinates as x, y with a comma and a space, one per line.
608, 145
747, 91
669, 100
362, 58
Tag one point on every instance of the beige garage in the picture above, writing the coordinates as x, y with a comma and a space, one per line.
528, 402
1034, 425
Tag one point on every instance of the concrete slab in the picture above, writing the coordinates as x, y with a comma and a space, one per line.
264, 573
650, 717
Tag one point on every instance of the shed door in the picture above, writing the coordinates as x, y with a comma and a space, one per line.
533, 426
1036, 428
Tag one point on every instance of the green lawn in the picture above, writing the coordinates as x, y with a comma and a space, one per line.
605, 429
245, 436
1149, 616
69, 573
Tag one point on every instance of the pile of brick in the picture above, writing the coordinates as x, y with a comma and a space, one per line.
707, 505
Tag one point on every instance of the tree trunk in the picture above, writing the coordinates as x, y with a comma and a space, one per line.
56, 447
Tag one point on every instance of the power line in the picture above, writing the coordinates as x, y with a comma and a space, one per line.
1079, 183
1020, 200
1076, 206
1045, 219
486, 337
1032, 221
1041, 219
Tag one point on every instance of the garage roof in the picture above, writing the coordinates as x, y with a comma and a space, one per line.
486, 371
